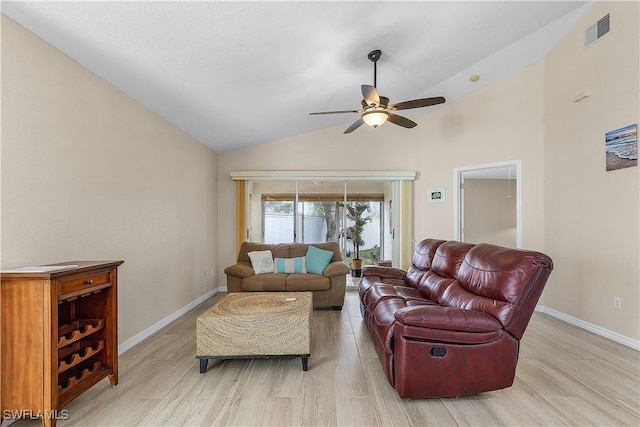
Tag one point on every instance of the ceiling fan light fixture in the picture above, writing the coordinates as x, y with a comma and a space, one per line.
375, 118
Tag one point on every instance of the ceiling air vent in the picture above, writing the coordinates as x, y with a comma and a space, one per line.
596, 31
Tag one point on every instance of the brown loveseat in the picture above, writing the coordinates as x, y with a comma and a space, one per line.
328, 289
451, 325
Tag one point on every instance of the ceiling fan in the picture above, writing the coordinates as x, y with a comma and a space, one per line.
376, 109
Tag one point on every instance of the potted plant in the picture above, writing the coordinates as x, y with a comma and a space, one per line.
354, 232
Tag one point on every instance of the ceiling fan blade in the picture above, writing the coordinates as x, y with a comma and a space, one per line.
355, 125
370, 94
334, 112
401, 121
417, 103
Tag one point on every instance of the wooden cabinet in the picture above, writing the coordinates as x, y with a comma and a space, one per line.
58, 336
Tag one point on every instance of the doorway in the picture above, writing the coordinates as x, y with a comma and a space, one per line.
487, 200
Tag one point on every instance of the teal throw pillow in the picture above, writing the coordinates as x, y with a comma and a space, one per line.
317, 259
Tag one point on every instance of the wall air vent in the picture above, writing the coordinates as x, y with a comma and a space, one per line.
596, 31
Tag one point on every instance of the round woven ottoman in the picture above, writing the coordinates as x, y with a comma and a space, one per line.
256, 324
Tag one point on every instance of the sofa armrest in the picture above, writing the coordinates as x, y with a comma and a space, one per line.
384, 272
241, 269
335, 268
447, 318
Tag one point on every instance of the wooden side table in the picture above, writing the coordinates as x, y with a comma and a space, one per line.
59, 335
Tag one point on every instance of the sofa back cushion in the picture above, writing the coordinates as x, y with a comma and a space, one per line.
441, 260
433, 285
421, 261
287, 250
282, 250
449, 257
503, 282
424, 252
497, 272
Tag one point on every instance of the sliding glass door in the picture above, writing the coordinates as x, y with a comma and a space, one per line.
351, 213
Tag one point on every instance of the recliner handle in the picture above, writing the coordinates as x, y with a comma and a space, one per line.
437, 351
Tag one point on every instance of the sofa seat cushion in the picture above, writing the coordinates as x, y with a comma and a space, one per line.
374, 294
307, 282
265, 282
408, 293
368, 282
381, 292
383, 321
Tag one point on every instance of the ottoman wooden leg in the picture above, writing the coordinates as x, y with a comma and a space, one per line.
305, 363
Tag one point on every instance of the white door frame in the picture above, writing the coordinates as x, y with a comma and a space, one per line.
458, 192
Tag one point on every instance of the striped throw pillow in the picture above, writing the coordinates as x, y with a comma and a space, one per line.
290, 265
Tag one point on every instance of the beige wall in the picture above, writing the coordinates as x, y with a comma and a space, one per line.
88, 173
592, 215
490, 211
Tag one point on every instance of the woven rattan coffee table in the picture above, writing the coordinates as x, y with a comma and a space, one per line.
256, 325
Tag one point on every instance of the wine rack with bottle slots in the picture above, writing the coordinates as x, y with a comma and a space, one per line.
65, 321
80, 344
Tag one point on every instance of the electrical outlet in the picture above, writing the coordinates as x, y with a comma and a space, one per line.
617, 303
207, 273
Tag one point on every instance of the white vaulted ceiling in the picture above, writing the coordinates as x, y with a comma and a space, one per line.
234, 74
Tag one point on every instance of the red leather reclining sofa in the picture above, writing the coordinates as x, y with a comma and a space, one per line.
451, 325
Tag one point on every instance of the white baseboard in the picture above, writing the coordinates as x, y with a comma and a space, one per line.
222, 289
138, 338
613, 336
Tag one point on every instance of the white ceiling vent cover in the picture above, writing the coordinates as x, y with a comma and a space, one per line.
596, 31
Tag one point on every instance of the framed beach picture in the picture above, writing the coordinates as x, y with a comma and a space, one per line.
435, 195
621, 147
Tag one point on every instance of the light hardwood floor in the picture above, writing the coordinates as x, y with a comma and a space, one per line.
565, 376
